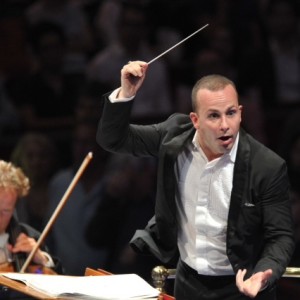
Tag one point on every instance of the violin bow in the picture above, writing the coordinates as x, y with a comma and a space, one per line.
55, 214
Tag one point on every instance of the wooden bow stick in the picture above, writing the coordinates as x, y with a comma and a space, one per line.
57, 210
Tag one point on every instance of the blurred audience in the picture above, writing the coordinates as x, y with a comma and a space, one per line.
295, 197
68, 234
88, 106
128, 204
36, 154
271, 71
274, 67
46, 97
292, 157
106, 21
9, 118
132, 42
72, 19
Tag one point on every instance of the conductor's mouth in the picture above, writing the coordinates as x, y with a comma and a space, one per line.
225, 137
226, 140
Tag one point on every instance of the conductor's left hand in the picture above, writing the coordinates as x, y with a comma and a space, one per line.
251, 286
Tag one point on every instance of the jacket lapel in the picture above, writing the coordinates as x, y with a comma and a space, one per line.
240, 182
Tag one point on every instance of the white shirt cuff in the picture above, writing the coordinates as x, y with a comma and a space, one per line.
113, 97
50, 262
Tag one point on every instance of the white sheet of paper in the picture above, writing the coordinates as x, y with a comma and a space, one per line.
125, 286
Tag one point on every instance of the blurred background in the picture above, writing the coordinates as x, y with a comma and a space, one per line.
57, 57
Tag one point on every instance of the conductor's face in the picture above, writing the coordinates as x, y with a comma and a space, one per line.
217, 120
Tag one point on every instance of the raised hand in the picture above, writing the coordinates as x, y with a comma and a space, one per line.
132, 77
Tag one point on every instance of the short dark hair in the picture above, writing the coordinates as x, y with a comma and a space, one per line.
212, 82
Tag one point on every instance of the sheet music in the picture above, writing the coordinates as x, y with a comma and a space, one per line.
105, 287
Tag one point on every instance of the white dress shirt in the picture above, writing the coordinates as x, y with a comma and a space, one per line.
203, 197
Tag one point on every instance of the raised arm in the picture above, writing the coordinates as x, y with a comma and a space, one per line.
115, 133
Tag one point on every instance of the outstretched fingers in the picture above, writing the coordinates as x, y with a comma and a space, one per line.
251, 286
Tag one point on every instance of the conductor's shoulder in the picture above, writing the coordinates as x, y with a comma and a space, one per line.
179, 118
176, 124
263, 155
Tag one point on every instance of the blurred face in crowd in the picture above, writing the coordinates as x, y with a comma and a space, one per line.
8, 199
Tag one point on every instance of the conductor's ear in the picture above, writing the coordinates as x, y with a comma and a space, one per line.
195, 120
